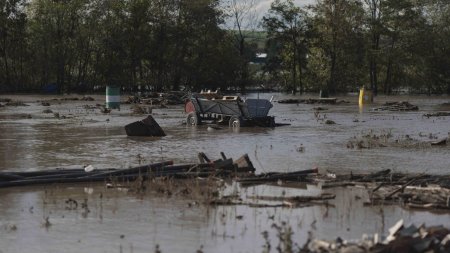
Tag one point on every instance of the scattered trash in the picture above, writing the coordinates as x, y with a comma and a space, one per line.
105, 110
89, 168
401, 239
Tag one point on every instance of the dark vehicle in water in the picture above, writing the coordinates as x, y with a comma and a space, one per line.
231, 110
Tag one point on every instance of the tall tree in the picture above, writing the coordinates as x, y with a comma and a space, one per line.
243, 19
374, 8
54, 27
13, 53
286, 25
337, 45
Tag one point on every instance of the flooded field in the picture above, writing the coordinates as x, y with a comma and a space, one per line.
44, 219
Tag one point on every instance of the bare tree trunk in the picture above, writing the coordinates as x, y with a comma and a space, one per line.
375, 16
387, 82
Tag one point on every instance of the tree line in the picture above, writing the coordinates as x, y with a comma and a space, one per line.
332, 45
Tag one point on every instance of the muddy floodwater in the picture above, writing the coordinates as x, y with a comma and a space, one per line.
44, 218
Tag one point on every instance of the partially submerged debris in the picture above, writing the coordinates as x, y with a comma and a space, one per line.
301, 175
437, 114
155, 170
397, 106
145, 127
382, 139
87, 98
5, 100
309, 101
440, 142
15, 103
139, 109
158, 99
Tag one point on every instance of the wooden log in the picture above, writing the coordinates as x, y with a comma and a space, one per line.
325, 196
52, 172
269, 177
376, 175
7, 176
141, 169
402, 188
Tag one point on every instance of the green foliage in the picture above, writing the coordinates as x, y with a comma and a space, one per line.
336, 50
286, 27
333, 45
82, 44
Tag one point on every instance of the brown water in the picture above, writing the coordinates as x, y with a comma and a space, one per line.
124, 222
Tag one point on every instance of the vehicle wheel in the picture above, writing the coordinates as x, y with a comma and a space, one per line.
235, 122
192, 119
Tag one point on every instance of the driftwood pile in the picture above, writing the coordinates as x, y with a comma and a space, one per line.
397, 106
279, 179
414, 191
219, 168
401, 239
420, 191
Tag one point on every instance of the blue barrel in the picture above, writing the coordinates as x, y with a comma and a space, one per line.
112, 97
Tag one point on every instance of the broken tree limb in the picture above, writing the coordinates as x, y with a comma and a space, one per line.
325, 196
402, 188
275, 176
141, 169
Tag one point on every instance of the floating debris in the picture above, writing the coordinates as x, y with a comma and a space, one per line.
224, 168
309, 101
397, 106
15, 103
139, 109
5, 100
401, 239
145, 127
87, 98
437, 114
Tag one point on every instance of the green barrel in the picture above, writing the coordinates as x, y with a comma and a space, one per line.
112, 97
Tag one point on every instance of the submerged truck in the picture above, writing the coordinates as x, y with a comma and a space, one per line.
232, 110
